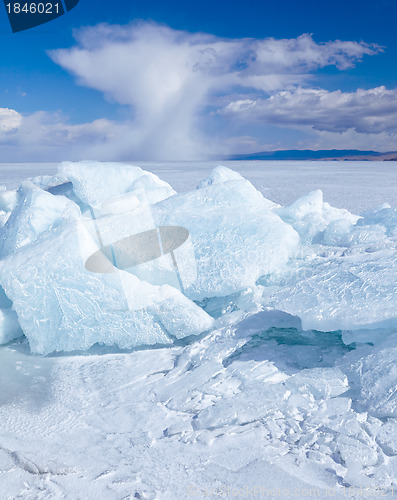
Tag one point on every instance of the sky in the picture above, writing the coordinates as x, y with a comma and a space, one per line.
153, 80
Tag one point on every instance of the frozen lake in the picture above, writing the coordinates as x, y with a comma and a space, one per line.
355, 185
291, 390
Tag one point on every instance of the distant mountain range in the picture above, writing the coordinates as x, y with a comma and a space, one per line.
326, 154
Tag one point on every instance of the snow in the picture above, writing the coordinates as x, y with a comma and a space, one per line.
269, 364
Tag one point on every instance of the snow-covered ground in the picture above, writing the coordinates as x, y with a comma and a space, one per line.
277, 373
354, 185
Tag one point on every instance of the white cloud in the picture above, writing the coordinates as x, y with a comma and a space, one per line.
44, 136
304, 54
365, 111
167, 77
351, 139
9, 120
178, 84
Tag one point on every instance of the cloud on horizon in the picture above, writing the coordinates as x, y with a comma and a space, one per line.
365, 111
175, 83
48, 137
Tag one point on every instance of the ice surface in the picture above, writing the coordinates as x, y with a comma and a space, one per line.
8, 199
5, 302
236, 236
353, 185
310, 215
346, 292
346, 277
35, 213
264, 320
46, 181
96, 182
134, 306
4, 217
374, 374
9, 326
308, 204
387, 437
338, 233
321, 382
220, 174
255, 397
314, 261
384, 216
62, 306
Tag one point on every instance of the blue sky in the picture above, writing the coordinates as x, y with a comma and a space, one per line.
125, 80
